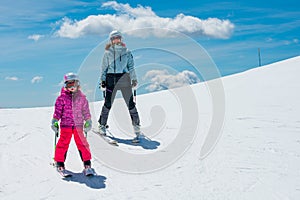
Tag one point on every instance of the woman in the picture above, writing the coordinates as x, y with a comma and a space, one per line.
118, 73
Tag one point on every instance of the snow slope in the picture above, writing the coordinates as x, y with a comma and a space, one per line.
257, 155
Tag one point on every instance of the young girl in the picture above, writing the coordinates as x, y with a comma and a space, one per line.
72, 109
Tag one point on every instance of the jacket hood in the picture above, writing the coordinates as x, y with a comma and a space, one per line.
109, 45
64, 91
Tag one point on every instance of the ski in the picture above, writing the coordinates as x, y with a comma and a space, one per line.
139, 139
89, 172
64, 173
106, 138
135, 140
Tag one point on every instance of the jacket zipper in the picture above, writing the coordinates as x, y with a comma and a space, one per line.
114, 65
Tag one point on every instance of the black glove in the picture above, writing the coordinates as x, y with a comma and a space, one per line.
134, 83
102, 85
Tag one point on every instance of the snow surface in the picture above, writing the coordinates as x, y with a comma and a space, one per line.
257, 155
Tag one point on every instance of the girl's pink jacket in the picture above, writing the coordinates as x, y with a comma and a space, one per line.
72, 109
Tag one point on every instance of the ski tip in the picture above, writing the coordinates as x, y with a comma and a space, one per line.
65, 175
135, 141
90, 175
114, 143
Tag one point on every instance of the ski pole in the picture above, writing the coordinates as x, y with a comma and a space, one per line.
134, 96
55, 139
110, 133
146, 136
104, 94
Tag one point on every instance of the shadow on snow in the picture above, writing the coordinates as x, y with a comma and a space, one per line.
145, 143
94, 182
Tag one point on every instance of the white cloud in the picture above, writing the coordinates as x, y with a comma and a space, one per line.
35, 37
12, 78
36, 79
296, 41
128, 18
269, 39
162, 79
289, 42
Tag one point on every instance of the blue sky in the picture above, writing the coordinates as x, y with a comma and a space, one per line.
43, 40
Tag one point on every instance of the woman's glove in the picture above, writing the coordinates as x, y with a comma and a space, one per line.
134, 84
102, 85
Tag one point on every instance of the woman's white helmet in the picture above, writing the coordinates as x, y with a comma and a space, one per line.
115, 33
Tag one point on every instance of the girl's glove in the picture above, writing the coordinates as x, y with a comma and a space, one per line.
54, 125
87, 125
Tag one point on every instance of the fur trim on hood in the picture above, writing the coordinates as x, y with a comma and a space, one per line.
108, 45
